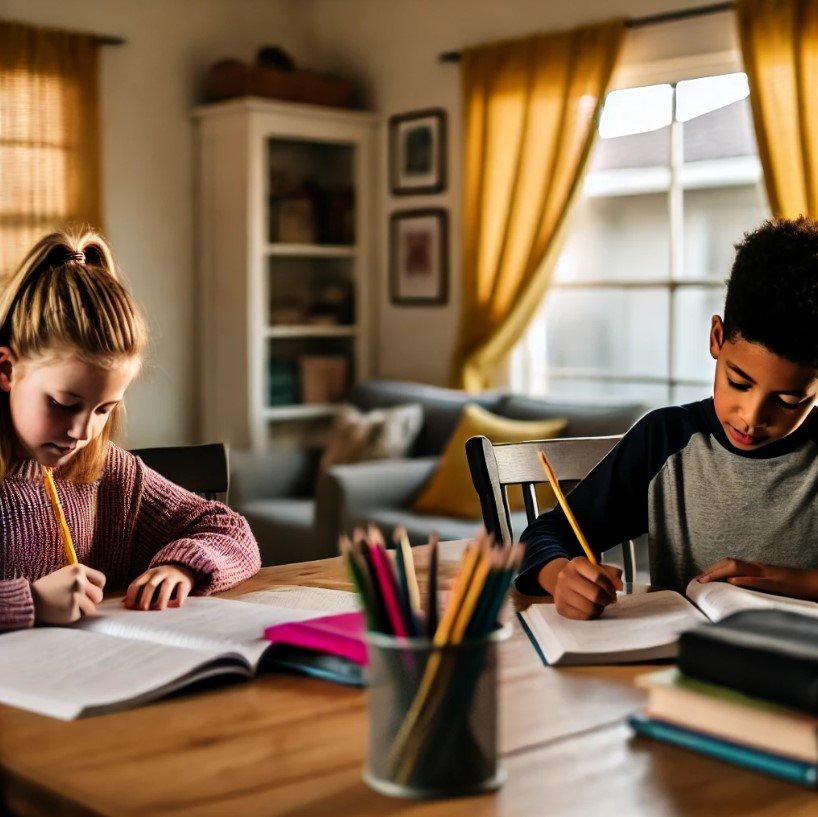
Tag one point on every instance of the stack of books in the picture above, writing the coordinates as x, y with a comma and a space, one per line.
745, 691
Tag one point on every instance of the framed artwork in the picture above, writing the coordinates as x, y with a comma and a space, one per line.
419, 257
417, 152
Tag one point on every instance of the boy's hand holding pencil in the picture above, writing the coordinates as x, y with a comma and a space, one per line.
582, 588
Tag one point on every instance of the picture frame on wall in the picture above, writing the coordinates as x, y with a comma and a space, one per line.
419, 257
417, 152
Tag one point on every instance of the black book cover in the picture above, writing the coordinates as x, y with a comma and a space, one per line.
769, 654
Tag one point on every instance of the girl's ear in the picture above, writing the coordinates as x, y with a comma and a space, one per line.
716, 336
7, 362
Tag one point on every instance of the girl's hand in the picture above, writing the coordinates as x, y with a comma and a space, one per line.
67, 594
581, 590
160, 587
785, 581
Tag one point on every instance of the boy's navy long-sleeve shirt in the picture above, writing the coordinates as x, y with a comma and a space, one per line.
676, 477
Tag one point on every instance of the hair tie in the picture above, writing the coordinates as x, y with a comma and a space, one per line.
75, 255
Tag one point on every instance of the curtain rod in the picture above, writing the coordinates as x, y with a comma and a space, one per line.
640, 22
99, 39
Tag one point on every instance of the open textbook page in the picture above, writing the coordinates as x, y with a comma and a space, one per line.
121, 658
644, 626
719, 599
641, 627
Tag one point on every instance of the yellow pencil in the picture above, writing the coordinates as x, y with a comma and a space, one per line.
552, 478
431, 695
65, 533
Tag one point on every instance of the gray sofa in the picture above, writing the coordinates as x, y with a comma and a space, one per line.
295, 519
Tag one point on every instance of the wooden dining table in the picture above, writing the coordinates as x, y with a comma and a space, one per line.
283, 744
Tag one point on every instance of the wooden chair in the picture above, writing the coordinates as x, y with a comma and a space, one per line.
495, 467
202, 469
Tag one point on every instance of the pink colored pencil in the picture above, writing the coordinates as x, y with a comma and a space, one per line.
386, 580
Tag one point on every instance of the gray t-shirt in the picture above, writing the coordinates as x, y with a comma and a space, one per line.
676, 477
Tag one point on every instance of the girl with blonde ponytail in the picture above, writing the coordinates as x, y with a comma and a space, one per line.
71, 342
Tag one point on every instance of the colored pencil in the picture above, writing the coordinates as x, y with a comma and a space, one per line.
431, 596
569, 515
389, 589
403, 588
358, 573
411, 579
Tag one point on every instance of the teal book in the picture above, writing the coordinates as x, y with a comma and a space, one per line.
795, 771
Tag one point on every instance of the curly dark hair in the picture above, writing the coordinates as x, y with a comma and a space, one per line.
772, 292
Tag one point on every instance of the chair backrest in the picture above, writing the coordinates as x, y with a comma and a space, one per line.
495, 467
202, 469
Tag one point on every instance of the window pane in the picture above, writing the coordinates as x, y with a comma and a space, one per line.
718, 122
690, 394
651, 394
692, 309
636, 110
620, 332
714, 220
617, 238
634, 129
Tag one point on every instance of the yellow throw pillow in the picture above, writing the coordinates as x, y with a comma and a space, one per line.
450, 491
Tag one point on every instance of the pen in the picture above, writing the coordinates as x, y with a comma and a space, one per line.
552, 478
65, 533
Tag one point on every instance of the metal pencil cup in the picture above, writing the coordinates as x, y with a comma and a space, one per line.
433, 716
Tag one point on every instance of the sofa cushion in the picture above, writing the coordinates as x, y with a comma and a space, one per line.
584, 419
384, 433
441, 407
450, 490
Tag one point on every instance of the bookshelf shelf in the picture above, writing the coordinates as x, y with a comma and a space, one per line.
311, 250
316, 331
284, 198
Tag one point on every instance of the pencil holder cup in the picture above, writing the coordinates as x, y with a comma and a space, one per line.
433, 716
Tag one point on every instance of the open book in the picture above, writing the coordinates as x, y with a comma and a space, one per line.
122, 658
643, 626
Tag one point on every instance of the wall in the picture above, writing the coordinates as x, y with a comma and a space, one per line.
148, 87
391, 49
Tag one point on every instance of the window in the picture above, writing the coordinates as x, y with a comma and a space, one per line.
672, 184
49, 162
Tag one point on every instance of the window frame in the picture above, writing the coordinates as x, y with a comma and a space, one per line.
668, 71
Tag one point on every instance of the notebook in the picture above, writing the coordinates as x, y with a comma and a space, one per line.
123, 658
786, 768
727, 714
643, 626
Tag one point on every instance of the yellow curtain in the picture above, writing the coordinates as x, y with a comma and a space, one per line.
530, 109
779, 42
49, 136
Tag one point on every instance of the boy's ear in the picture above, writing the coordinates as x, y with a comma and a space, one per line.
7, 362
716, 336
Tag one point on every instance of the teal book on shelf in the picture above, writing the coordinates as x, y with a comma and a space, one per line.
795, 771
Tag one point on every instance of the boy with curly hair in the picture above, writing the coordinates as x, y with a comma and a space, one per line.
725, 488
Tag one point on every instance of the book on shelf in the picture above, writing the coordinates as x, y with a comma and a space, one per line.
769, 654
730, 715
122, 658
643, 626
786, 768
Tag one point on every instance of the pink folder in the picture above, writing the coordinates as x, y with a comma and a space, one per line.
340, 634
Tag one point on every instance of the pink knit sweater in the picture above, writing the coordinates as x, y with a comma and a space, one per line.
122, 524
